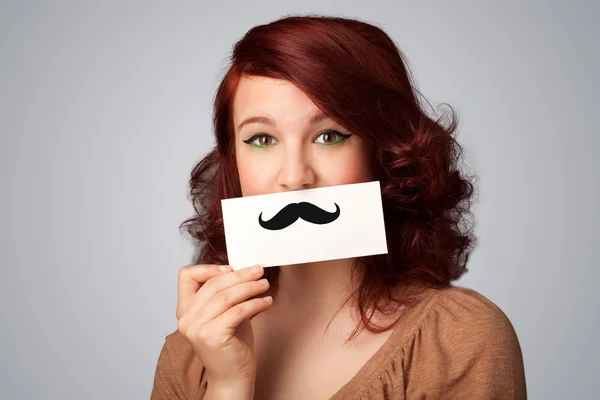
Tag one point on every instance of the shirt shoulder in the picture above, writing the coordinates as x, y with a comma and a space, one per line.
453, 344
463, 347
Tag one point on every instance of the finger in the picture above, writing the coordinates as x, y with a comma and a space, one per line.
228, 298
192, 277
225, 281
232, 318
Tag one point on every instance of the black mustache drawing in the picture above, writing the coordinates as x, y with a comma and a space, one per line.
290, 213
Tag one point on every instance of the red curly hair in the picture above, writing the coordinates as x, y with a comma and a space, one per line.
356, 75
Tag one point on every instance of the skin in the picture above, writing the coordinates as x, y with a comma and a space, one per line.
294, 154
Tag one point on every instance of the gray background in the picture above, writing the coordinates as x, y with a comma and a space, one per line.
105, 108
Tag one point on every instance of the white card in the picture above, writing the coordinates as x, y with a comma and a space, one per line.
346, 221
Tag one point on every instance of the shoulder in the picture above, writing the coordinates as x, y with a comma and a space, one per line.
462, 309
461, 343
466, 322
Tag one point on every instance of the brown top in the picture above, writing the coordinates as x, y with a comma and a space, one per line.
455, 344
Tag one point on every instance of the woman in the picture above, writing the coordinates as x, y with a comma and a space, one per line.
312, 102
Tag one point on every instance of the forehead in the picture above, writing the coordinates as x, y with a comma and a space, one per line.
274, 98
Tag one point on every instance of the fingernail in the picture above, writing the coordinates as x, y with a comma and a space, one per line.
256, 269
225, 268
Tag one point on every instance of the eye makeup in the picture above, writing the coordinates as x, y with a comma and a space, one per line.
342, 138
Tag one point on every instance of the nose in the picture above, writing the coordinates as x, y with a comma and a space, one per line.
296, 172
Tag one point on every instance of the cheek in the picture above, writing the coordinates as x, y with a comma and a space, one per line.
354, 173
252, 174
351, 167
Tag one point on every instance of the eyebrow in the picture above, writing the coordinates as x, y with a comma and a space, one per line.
316, 118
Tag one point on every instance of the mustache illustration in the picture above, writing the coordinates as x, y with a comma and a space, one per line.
290, 213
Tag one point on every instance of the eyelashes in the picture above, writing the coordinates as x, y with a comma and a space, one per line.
257, 136
341, 138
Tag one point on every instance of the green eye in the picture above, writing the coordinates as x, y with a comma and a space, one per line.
260, 140
329, 137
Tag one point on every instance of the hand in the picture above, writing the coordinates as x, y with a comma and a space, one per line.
213, 313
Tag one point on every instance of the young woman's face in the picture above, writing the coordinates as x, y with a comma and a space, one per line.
283, 142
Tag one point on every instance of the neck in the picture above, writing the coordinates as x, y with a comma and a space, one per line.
319, 288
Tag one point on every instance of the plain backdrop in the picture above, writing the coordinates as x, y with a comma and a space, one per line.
105, 107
